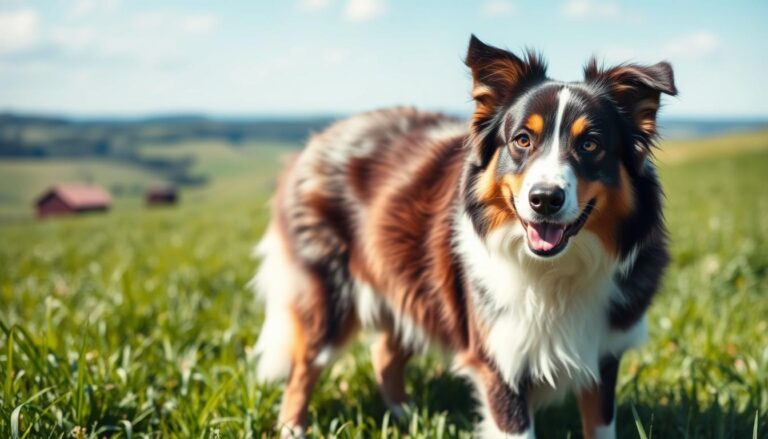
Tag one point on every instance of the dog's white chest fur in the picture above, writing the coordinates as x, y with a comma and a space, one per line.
546, 318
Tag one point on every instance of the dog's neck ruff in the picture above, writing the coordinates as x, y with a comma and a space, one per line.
544, 317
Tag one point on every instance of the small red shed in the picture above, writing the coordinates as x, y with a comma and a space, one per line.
160, 195
65, 199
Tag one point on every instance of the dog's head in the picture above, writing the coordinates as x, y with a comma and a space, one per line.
559, 157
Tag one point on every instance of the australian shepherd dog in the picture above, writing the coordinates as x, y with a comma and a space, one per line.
527, 243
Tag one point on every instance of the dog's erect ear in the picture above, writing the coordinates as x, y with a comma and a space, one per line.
636, 89
498, 76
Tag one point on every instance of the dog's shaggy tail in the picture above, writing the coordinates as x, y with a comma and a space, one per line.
275, 285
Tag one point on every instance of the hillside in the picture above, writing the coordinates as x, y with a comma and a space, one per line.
34, 136
205, 166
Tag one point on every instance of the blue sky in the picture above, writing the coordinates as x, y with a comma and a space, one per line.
257, 57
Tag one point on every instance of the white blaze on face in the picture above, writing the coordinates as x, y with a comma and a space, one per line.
552, 169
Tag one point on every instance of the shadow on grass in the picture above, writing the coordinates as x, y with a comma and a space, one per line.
673, 415
659, 420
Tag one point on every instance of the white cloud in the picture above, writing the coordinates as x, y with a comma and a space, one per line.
19, 30
198, 23
144, 50
496, 8
364, 10
692, 46
689, 47
73, 38
312, 5
26, 40
586, 9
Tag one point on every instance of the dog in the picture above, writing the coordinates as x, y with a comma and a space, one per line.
528, 243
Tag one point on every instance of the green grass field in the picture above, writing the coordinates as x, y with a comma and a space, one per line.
137, 323
23, 180
231, 171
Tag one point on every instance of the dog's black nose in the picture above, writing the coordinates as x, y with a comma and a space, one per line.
546, 199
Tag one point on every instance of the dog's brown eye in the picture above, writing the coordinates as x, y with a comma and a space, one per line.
589, 146
522, 141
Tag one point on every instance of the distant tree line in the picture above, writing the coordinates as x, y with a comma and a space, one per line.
41, 136
121, 139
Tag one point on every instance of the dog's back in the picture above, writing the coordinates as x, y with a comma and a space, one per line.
327, 202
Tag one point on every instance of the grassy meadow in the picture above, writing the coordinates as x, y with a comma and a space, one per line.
138, 323
23, 180
231, 171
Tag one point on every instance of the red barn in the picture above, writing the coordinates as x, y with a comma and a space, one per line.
65, 199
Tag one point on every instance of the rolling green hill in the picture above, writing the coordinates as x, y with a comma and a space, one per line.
23, 180
223, 166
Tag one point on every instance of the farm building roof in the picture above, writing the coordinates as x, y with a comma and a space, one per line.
79, 196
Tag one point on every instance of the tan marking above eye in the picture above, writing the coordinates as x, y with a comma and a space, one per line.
579, 126
535, 123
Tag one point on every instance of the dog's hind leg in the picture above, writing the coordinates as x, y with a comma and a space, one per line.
309, 316
389, 359
293, 408
277, 284
323, 325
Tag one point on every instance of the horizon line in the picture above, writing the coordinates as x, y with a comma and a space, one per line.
299, 115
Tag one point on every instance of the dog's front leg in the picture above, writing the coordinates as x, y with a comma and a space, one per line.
597, 403
506, 410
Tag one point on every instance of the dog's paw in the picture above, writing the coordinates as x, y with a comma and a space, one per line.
291, 432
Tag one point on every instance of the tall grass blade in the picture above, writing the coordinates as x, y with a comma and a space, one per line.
8, 388
385, 426
209, 406
15, 421
128, 427
80, 386
40, 413
16, 415
638, 424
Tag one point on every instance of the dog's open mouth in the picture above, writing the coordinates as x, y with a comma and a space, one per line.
549, 239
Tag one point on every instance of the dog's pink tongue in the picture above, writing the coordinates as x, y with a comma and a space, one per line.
544, 236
